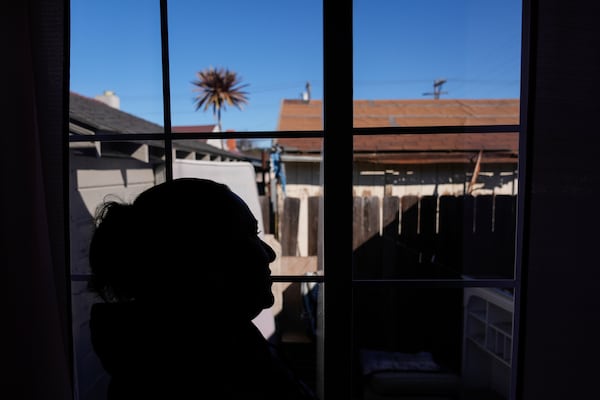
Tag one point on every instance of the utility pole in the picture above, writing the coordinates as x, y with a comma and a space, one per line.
437, 89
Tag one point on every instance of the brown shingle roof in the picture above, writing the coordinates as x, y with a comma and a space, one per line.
298, 115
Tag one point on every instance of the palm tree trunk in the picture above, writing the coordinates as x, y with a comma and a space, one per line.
220, 128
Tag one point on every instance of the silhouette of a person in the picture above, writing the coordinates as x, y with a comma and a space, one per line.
183, 272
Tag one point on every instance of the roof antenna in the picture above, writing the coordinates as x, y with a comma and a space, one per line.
437, 89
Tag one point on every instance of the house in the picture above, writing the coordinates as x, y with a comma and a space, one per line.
414, 164
229, 144
89, 116
558, 318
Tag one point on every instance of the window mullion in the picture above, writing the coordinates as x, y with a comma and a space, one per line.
337, 177
164, 39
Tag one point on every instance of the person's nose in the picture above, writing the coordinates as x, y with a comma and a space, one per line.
270, 252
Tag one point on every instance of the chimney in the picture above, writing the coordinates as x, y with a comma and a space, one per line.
306, 93
110, 98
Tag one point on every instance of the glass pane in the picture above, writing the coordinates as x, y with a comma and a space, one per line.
300, 208
284, 195
441, 205
431, 206
100, 172
299, 325
281, 184
247, 174
414, 59
435, 343
116, 58
275, 48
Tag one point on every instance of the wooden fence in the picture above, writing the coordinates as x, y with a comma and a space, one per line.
420, 237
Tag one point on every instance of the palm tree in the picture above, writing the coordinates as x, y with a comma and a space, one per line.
218, 88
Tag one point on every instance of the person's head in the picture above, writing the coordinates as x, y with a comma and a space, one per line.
181, 240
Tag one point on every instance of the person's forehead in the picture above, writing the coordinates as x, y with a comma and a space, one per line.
238, 213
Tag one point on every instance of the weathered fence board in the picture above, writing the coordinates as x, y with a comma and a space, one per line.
408, 239
427, 227
450, 230
505, 229
265, 206
367, 250
289, 226
391, 227
357, 222
313, 225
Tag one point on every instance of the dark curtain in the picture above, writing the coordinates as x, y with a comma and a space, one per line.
35, 350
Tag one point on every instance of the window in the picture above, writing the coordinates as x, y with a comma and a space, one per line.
394, 212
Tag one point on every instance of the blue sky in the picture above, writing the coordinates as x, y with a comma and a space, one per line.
400, 48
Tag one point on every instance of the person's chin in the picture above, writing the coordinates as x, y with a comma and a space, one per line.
271, 300
267, 303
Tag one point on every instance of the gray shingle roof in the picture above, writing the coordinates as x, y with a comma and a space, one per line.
97, 116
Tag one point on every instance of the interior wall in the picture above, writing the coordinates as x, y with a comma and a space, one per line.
559, 343
561, 266
35, 351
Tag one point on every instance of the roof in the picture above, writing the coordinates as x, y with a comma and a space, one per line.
194, 128
299, 115
89, 116
97, 116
